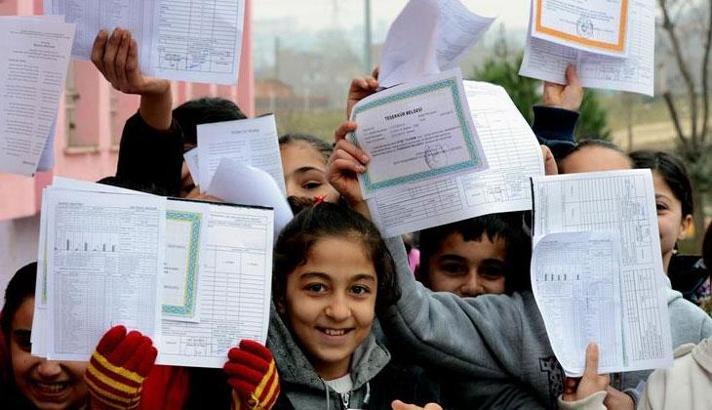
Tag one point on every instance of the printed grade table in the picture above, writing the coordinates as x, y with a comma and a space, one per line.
208, 43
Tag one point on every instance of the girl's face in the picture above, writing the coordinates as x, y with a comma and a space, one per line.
468, 268
47, 384
330, 303
672, 224
305, 172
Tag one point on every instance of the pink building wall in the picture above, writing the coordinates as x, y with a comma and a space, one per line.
97, 126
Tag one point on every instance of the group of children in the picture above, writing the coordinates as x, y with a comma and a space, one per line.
352, 326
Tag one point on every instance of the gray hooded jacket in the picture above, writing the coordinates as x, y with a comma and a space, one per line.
499, 337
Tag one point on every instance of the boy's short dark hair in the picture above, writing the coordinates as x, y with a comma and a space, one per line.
204, 111
505, 226
326, 220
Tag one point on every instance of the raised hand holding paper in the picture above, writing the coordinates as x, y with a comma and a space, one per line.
417, 131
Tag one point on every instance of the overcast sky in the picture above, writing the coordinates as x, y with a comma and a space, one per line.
313, 15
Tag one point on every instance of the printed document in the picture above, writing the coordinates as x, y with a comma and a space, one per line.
185, 40
429, 36
33, 67
415, 132
234, 287
252, 142
634, 73
597, 272
104, 260
513, 154
591, 25
210, 290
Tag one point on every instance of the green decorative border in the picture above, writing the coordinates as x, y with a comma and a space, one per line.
474, 161
188, 308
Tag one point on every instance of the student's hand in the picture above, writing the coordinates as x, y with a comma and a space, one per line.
399, 405
590, 383
117, 369
252, 374
550, 166
361, 87
116, 57
345, 164
569, 96
617, 400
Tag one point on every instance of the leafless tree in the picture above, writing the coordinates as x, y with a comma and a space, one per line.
691, 104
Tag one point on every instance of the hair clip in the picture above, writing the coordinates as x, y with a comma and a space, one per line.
319, 199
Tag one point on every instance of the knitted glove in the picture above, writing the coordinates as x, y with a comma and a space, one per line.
252, 374
118, 367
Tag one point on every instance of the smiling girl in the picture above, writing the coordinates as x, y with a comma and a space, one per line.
331, 274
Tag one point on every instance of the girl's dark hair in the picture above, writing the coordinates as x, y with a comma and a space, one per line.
507, 226
332, 220
707, 249
586, 143
20, 288
324, 148
673, 172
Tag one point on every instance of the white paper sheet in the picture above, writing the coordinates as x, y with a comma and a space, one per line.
252, 142
621, 204
191, 159
104, 263
513, 154
635, 73
186, 40
245, 185
33, 66
40, 333
416, 132
595, 26
234, 292
427, 37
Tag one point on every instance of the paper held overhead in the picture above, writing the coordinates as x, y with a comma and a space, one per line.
595, 26
429, 36
184, 40
635, 72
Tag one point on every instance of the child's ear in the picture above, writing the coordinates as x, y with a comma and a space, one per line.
685, 226
281, 306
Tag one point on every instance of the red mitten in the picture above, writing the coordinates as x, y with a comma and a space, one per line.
118, 367
252, 374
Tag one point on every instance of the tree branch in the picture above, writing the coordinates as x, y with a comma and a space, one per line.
705, 78
667, 96
669, 27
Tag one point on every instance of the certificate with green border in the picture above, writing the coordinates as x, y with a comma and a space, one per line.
452, 83
187, 308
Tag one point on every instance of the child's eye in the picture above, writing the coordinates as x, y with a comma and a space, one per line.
661, 207
454, 269
360, 290
492, 270
23, 341
312, 185
315, 288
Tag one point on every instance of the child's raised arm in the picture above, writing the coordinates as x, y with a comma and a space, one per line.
116, 57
